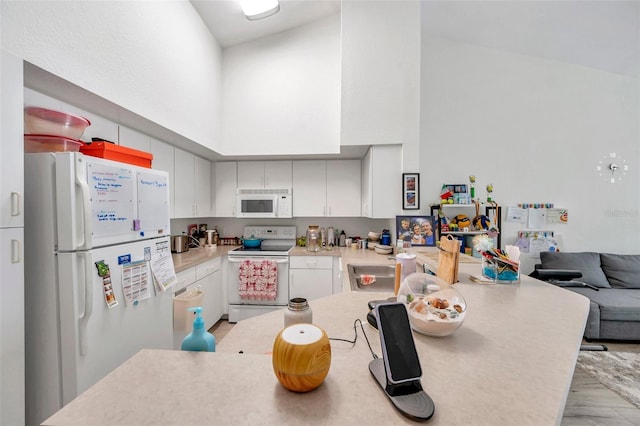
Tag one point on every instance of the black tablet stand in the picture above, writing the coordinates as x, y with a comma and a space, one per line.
408, 398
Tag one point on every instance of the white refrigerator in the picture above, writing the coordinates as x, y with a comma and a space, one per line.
94, 232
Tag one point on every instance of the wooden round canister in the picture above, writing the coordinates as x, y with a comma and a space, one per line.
301, 357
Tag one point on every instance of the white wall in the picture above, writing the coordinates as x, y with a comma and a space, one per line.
154, 58
381, 75
536, 129
281, 93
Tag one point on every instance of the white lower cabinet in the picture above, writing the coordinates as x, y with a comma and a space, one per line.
310, 277
209, 278
206, 276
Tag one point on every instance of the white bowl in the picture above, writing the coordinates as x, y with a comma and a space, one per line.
438, 314
380, 249
374, 236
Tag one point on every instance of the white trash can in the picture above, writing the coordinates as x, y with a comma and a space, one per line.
183, 319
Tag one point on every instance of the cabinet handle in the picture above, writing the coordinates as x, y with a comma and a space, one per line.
15, 204
15, 251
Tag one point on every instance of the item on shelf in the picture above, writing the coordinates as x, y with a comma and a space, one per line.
472, 186
489, 192
461, 221
55, 123
50, 143
119, 153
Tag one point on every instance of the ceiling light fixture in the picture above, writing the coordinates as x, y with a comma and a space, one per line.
258, 9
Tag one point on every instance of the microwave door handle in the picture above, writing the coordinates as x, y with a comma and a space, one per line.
86, 212
88, 304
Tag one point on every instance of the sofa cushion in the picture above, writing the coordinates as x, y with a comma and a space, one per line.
616, 304
586, 262
622, 270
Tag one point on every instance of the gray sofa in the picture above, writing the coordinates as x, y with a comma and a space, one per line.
614, 313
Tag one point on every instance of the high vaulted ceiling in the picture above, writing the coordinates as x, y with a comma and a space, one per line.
598, 34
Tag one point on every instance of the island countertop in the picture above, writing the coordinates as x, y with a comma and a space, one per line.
511, 362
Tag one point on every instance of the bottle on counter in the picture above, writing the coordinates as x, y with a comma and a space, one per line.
199, 340
343, 239
297, 312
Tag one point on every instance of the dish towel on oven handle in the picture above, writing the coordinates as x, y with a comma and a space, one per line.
258, 279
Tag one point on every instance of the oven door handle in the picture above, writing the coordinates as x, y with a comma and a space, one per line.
262, 258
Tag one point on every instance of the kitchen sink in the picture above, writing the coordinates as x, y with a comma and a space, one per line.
384, 277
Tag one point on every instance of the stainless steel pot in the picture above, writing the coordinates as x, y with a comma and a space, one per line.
179, 243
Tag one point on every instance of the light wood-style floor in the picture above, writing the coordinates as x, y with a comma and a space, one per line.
589, 403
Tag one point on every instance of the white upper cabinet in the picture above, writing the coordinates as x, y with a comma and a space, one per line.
264, 174
381, 181
326, 188
163, 159
225, 184
202, 187
192, 192
343, 188
309, 188
133, 139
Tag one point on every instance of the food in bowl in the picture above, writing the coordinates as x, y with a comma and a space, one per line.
437, 314
56, 123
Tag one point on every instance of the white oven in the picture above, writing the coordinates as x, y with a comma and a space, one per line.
264, 203
277, 242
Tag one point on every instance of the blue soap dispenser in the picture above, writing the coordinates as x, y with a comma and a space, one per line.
199, 340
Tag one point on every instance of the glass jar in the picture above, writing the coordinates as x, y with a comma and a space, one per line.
313, 238
298, 311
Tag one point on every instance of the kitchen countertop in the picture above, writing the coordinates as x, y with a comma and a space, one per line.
196, 256
511, 362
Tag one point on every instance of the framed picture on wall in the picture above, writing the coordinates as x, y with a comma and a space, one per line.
416, 230
410, 191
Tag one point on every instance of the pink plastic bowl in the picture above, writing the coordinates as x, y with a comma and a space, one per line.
49, 143
49, 122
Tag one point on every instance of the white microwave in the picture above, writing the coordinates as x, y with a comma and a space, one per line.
264, 203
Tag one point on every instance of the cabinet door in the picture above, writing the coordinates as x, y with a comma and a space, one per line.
386, 171
251, 174
225, 193
202, 189
184, 183
11, 142
309, 188
310, 283
12, 349
366, 184
343, 188
278, 174
163, 159
132, 139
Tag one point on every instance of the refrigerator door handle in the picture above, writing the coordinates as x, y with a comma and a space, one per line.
86, 212
88, 304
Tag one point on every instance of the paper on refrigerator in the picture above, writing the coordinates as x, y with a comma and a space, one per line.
135, 282
164, 274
